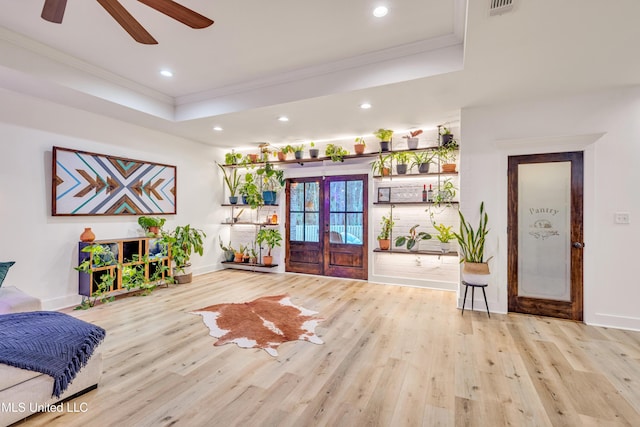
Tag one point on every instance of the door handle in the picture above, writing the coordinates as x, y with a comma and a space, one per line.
577, 245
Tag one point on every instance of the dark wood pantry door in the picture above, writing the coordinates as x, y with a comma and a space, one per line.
545, 235
327, 226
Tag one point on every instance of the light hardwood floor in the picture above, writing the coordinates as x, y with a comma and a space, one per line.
393, 356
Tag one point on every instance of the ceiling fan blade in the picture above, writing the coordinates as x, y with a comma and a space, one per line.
127, 21
179, 13
53, 10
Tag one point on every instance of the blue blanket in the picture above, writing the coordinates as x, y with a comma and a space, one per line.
52, 343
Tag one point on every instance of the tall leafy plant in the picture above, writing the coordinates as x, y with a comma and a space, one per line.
232, 179
470, 241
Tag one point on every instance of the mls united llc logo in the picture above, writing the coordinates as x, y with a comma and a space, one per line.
22, 407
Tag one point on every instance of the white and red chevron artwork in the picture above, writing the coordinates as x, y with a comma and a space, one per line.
96, 184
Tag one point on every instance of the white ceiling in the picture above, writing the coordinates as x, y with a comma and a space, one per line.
315, 62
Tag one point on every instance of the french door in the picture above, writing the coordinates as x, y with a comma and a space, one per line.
545, 235
327, 226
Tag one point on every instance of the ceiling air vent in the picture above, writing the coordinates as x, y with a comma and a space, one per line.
499, 7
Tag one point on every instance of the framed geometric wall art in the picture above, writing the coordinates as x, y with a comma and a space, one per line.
96, 184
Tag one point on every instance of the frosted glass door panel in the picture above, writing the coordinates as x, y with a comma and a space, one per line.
544, 230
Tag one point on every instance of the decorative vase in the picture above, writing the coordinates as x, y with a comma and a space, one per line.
476, 273
87, 235
384, 244
359, 148
412, 143
449, 167
446, 139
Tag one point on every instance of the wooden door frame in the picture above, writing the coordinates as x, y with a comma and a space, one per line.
562, 309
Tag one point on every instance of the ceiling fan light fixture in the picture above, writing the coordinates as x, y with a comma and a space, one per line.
166, 73
380, 11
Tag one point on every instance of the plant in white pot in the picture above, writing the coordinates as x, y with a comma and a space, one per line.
184, 241
471, 243
445, 235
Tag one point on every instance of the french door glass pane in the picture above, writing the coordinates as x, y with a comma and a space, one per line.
354, 229
337, 196
544, 227
296, 228
296, 201
312, 228
354, 196
304, 206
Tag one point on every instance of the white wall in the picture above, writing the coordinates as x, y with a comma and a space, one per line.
605, 125
45, 247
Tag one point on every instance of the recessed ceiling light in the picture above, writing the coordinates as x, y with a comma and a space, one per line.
283, 118
380, 11
218, 128
166, 73
365, 105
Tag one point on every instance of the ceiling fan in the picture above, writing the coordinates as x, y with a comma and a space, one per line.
53, 11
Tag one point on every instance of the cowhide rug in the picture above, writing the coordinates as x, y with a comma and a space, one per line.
265, 323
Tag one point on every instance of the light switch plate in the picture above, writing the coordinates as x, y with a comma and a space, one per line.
622, 218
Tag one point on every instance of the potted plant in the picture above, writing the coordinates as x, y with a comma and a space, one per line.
272, 238
445, 235
446, 192
228, 251
447, 156
413, 239
402, 160
335, 152
359, 145
272, 182
251, 194
313, 152
298, 151
422, 159
252, 158
239, 254
99, 256
384, 135
151, 225
232, 179
471, 243
184, 241
232, 158
253, 256
382, 165
384, 242
446, 137
282, 152
412, 139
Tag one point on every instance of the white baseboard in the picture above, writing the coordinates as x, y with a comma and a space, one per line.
613, 321
61, 302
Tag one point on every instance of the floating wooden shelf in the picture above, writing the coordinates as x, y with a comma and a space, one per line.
416, 203
404, 251
247, 266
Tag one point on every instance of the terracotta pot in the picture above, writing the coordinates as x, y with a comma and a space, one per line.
267, 259
359, 148
238, 257
253, 158
384, 244
449, 167
386, 171
87, 235
281, 156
